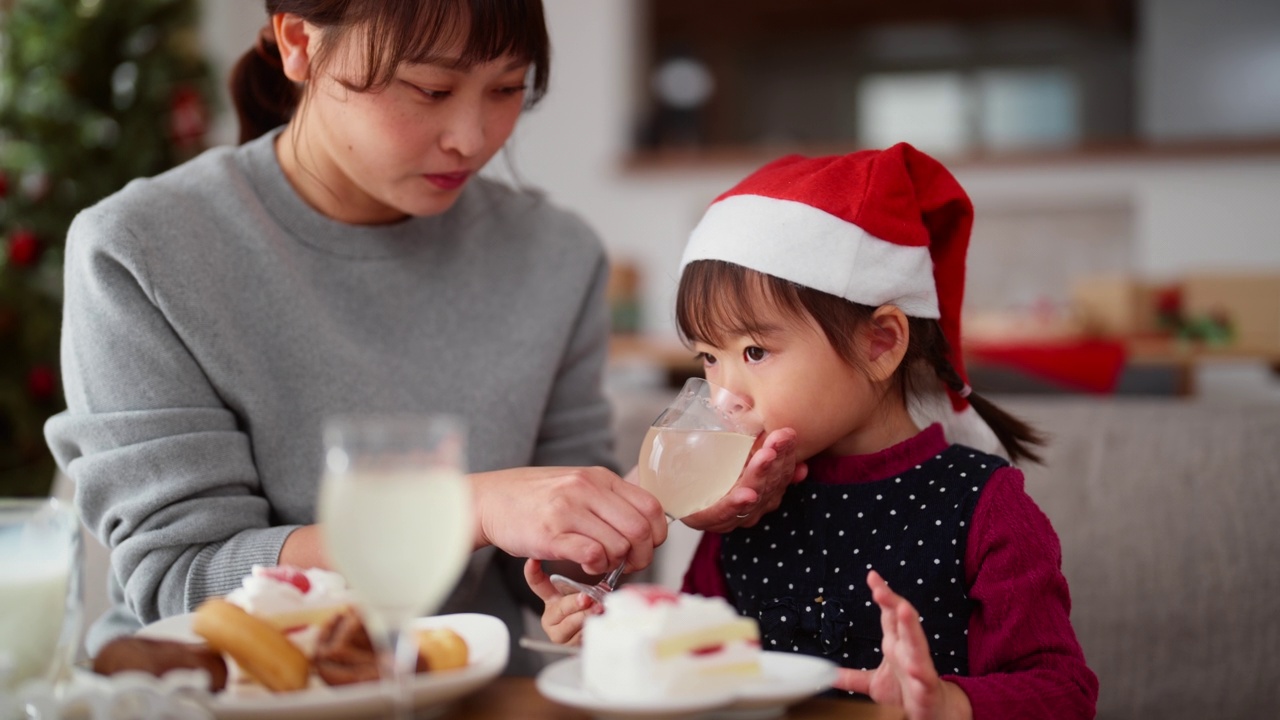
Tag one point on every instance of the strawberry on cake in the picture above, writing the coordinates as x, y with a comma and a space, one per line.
653, 642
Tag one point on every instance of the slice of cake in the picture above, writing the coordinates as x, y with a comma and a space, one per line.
651, 642
297, 602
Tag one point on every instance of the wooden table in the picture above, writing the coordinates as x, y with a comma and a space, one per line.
508, 698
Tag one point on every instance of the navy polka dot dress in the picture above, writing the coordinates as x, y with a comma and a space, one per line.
802, 572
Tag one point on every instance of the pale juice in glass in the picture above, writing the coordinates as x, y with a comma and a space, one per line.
689, 470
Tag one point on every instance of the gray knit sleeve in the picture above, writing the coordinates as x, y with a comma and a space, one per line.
164, 474
576, 427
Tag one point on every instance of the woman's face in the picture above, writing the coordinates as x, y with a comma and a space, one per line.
408, 149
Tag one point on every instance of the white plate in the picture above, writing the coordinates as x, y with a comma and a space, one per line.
788, 678
487, 644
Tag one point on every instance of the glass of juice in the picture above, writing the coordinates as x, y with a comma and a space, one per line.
691, 457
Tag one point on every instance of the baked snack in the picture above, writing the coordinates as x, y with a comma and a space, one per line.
158, 657
652, 642
260, 649
345, 654
440, 649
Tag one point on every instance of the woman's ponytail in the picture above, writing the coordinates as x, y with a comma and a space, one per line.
264, 97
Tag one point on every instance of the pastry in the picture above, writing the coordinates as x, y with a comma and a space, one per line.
440, 649
158, 657
344, 654
261, 650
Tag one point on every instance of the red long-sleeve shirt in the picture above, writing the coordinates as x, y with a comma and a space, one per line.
1024, 659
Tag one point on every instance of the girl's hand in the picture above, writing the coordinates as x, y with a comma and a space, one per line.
564, 615
759, 490
906, 676
588, 516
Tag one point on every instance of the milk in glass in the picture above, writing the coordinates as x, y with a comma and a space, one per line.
38, 544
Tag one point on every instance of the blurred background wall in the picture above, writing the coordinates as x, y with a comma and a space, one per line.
1203, 72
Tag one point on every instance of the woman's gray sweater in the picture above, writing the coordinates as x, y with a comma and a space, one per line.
213, 319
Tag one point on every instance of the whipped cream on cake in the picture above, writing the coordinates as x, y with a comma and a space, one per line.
297, 602
653, 642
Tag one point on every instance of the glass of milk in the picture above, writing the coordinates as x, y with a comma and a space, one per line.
395, 514
39, 590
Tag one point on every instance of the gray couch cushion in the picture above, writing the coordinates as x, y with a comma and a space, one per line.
1167, 511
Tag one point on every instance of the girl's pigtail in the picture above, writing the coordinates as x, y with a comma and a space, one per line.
1017, 437
264, 97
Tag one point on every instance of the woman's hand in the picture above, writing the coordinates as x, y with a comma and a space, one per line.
588, 516
906, 676
564, 615
759, 489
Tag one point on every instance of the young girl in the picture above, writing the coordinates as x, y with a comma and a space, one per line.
828, 292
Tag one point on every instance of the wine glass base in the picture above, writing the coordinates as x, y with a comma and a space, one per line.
569, 586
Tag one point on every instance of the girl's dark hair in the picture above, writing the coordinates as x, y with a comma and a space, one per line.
717, 300
395, 31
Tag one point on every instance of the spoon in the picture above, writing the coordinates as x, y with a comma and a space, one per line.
544, 646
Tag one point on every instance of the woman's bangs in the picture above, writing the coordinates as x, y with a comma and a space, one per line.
416, 32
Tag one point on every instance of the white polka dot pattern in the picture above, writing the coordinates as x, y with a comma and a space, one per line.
824, 523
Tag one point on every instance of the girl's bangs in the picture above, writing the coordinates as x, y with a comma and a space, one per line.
718, 300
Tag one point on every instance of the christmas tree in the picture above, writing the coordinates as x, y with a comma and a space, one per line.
93, 93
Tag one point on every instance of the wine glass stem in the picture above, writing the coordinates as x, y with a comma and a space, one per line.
611, 580
399, 662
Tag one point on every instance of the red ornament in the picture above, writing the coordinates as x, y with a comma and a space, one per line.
188, 116
24, 248
4, 186
42, 382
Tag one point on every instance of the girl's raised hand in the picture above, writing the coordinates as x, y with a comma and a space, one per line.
564, 615
759, 490
906, 676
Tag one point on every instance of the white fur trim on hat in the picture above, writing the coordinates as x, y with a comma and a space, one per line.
798, 242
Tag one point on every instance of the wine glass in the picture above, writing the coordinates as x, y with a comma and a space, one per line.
396, 518
691, 457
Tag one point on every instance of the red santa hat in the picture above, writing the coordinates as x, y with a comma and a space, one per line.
875, 227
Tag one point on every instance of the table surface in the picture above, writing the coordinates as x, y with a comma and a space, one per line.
510, 697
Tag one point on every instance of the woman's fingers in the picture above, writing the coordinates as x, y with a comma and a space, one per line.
586, 515
641, 518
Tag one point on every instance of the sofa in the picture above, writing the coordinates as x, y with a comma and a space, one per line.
1169, 515
1168, 511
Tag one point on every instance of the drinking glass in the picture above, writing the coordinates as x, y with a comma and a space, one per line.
396, 518
39, 590
691, 457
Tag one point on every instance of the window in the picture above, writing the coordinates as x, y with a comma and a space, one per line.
948, 75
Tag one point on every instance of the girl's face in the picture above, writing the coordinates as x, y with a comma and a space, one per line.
407, 149
794, 378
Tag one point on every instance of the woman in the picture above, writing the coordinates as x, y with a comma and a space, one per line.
349, 260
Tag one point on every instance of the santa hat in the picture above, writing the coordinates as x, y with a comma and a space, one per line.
874, 227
